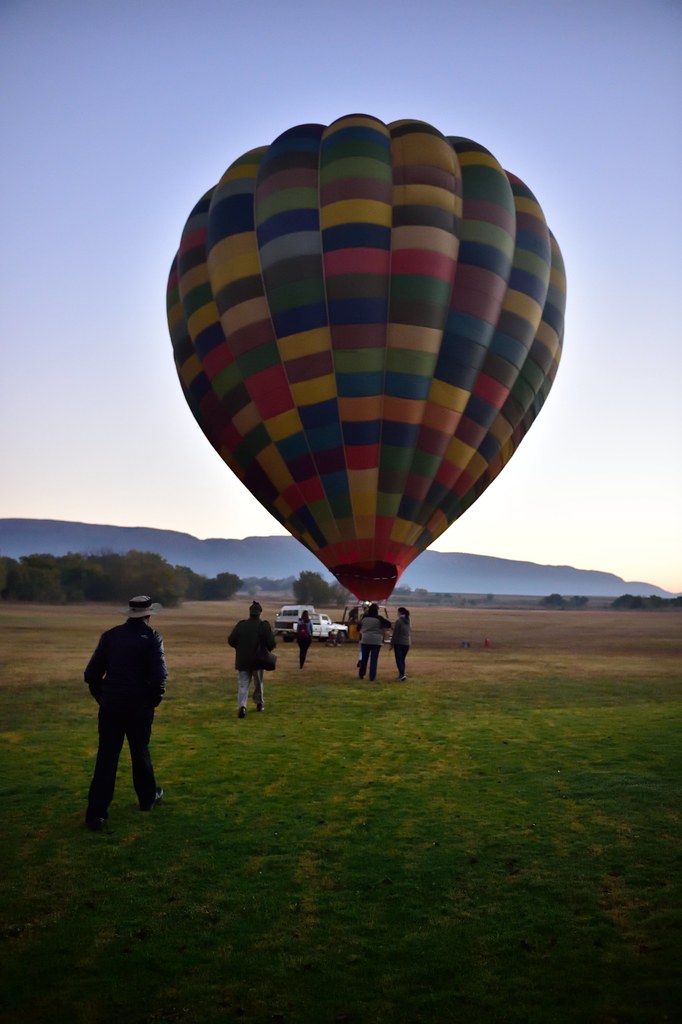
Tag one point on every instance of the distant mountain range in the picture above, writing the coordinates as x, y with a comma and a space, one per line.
282, 557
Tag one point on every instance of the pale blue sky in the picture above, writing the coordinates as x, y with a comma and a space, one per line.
115, 118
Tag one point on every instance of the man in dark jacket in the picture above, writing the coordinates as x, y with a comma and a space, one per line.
127, 677
244, 638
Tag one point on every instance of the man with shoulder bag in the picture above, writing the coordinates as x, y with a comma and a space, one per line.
252, 638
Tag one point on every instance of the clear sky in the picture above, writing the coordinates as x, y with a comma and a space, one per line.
116, 117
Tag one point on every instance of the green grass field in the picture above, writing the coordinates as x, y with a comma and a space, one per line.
496, 840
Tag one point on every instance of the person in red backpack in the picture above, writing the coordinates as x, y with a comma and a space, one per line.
304, 636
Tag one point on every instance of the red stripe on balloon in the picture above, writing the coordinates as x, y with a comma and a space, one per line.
216, 360
270, 391
422, 263
490, 390
357, 261
365, 456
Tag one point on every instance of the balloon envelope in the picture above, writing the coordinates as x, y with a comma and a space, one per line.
366, 319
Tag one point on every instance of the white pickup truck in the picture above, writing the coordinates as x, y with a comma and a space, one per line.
323, 626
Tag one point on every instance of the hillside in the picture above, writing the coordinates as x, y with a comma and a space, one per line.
282, 557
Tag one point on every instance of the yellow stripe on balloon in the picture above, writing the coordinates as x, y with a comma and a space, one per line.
190, 369
356, 211
245, 314
416, 339
364, 525
285, 425
479, 158
275, 467
549, 338
476, 466
449, 396
412, 236
459, 453
306, 343
204, 317
402, 528
525, 204
309, 392
283, 507
422, 194
231, 259
525, 307
247, 419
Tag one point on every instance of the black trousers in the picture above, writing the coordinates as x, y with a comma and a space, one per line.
303, 646
115, 726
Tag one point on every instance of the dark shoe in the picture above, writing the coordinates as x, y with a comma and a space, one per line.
241, 713
157, 800
260, 707
94, 824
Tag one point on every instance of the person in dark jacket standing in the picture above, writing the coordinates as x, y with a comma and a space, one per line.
304, 636
244, 638
400, 641
127, 677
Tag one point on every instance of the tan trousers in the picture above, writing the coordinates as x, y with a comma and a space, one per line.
244, 677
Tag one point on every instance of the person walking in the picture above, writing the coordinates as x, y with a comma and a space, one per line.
400, 641
245, 638
371, 631
304, 636
127, 677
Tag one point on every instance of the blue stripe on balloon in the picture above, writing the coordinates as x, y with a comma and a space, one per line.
489, 448
359, 385
400, 385
200, 386
532, 241
288, 222
208, 339
400, 435
321, 414
301, 318
509, 348
358, 311
293, 447
322, 439
528, 284
452, 370
231, 216
480, 411
356, 236
465, 326
358, 133
367, 432
335, 484
487, 257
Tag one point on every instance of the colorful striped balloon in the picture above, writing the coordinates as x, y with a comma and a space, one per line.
366, 319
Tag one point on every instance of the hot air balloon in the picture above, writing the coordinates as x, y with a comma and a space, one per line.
366, 319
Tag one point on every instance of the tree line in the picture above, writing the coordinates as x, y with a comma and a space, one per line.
107, 577
58, 579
